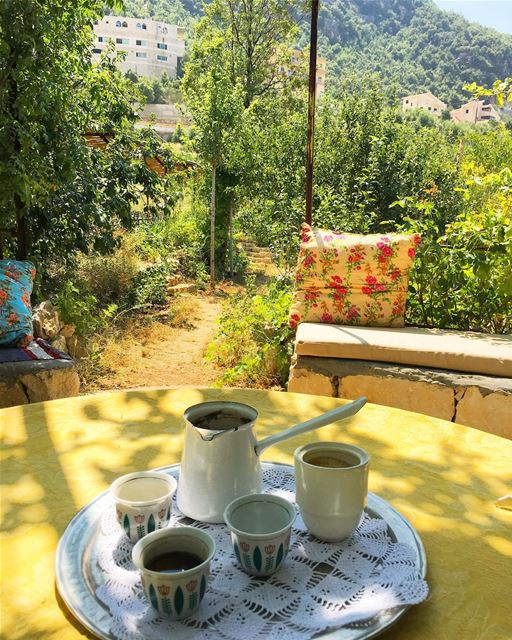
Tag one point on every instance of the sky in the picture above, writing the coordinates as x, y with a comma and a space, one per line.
490, 13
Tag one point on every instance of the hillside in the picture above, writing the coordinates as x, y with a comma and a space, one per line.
413, 44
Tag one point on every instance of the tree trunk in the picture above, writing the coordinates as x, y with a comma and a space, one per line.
231, 238
212, 229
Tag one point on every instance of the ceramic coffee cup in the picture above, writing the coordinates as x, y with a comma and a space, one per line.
260, 526
331, 483
143, 502
177, 588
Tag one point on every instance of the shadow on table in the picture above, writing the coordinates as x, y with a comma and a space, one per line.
441, 484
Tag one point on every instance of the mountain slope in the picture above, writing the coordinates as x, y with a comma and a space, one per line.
413, 44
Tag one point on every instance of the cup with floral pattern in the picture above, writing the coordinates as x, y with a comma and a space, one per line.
175, 594
143, 502
260, 526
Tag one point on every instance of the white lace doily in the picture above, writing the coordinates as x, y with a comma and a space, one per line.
321, 586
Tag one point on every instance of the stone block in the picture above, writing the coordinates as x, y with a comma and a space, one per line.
37, 381
491, 412
305, 381
422, 397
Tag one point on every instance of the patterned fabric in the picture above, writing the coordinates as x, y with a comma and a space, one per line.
16, 280
38, 349
352, 279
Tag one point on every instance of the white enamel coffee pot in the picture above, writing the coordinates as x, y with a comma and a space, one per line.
221, 464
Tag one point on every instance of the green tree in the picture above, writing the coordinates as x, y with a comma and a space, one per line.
58, 194
216, 106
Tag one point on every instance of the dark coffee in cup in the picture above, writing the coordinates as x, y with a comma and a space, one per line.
174, 562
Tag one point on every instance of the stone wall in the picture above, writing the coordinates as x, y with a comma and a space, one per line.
483, 402
39, 380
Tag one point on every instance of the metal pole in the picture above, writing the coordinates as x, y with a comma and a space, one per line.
311, 109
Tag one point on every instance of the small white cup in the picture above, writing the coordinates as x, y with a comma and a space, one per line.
261, 526
331, 499
178, 594
143, 502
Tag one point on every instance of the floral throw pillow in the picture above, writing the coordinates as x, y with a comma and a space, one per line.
16, 279
352, 279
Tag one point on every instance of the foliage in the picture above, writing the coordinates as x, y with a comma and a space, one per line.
150, 285
59, 195
462, 278
254, 340
82, 310
109, 278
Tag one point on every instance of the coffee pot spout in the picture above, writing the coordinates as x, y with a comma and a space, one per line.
346, 411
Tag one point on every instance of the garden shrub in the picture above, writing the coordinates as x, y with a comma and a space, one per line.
254, 342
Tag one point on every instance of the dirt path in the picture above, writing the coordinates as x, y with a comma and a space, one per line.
166, 352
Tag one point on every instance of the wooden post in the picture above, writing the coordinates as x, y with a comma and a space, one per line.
311, 110
231, 252
212, 229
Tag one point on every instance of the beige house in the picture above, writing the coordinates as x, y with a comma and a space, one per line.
152, 48
475, 112
426, 101
300, 58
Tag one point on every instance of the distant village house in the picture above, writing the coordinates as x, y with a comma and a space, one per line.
475, 112
426, 101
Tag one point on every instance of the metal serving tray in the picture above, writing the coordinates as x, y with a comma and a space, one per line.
78, 578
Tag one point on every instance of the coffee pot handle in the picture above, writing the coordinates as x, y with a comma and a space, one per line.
346, 411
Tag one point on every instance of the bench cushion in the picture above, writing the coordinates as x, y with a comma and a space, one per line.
482, 353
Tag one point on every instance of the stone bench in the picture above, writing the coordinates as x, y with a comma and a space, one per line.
458, 376
37, 381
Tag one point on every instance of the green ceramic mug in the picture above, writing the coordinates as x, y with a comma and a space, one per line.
260, 526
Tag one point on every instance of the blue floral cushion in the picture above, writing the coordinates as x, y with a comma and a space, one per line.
16, 280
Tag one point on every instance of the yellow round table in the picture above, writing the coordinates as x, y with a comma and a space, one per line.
445, 478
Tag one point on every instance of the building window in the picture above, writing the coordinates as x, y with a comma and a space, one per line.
162, 58
467, 110
139, 26
161, 45
122, 41
125, 24
141, 43
100, 38
97, 50
144, 25
141, 54
407, 102
118, 23
435, 108
430, 108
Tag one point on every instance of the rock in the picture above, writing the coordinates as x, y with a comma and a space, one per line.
492, 413
59, 342
422, 397
76, 347
483, 402
304, 381
184, 287
37, 381
67, 330
46, 321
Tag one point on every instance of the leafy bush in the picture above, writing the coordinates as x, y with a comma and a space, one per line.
82, 310
254, 342
110, 278
150, 285
462, 277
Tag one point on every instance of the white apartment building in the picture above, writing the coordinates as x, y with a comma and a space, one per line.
152, 48
426, 101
